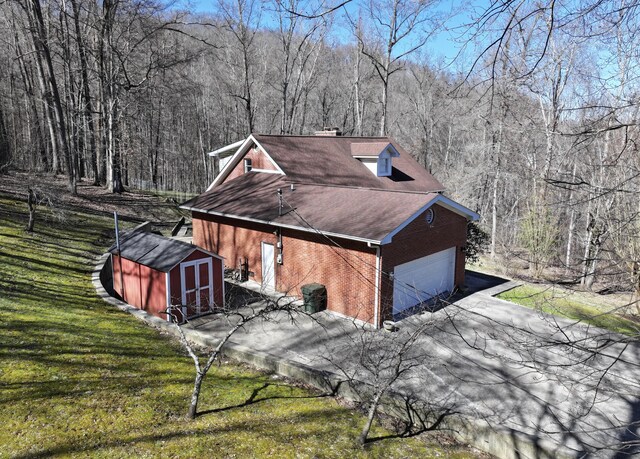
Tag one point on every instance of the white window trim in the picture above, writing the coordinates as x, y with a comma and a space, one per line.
265, 171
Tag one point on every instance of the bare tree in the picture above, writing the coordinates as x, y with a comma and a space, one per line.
299, 43
379, 364
396, 29
49, 85
242, 19
243, 312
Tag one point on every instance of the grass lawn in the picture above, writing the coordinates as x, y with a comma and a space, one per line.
80, 378
572, 305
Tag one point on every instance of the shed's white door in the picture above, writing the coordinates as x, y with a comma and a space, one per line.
419, 280
268, 269
196, 278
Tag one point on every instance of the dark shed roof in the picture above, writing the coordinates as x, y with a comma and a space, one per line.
152, 250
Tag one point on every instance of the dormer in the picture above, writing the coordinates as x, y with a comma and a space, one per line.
376, 156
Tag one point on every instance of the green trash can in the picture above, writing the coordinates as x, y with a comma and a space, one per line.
315, 297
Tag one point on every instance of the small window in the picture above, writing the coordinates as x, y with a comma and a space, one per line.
247, 165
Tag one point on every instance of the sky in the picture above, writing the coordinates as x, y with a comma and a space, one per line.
442, 49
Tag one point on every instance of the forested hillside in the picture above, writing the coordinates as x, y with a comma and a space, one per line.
534, 125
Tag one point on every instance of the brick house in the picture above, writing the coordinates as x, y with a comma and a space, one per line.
357, 214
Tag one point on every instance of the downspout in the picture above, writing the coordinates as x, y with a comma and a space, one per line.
376, 297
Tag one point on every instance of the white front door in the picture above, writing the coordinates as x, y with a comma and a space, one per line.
268, 268
196, 278
419, 280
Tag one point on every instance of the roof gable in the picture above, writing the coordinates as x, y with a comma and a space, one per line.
442, 200
330, 160
243, 149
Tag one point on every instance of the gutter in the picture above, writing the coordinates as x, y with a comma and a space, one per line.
282, 225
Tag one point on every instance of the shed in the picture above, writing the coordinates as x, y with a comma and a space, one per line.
152, 273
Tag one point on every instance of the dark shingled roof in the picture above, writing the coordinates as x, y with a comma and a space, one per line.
367, 149
328, 160
369, 214
152, 250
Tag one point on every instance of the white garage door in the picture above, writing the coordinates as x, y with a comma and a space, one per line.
419, 280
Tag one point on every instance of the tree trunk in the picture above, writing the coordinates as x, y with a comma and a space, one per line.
195, 396
42, 46
27, 80
247, 87
373, 409
356, 77
31, 203
572, 223
494, 211
5, 149
47, 105
86, 93
383, 115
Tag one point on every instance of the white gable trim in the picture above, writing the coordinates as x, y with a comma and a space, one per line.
230, 164
273, 163
235, 159
444, 202
391, 150
220, 151
197, 248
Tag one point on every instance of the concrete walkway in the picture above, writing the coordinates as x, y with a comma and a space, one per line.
523, 384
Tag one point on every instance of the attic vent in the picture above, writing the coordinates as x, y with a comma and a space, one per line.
329, 132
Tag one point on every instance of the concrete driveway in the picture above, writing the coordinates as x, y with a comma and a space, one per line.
548, 377
573, 389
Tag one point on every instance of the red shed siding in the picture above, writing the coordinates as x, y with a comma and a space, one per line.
419, 239
144, 287
348, 271
258, 161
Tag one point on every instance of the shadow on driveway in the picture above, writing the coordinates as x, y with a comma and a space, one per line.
475, 282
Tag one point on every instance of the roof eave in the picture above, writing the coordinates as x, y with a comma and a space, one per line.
284, 225
220, 152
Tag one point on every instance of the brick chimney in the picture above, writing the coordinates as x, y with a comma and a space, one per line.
329, 132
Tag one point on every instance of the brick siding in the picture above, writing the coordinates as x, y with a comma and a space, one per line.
258, 161
419, 239
347, 271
